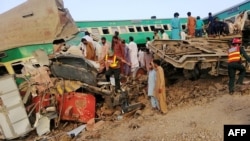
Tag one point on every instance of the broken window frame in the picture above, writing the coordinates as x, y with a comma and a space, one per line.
16, 66
158, 26
3, 70
146, 28
123, 29
114, 29
140, 29
95, 31
105, 30
131, 29
166, 27
152, 27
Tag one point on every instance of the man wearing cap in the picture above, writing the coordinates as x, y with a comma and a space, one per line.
234, 63
88, 37
112, 63
87, 49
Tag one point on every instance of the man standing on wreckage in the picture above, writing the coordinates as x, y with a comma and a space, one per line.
112, 63
234, 63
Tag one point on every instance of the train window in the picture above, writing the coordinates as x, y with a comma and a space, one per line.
248, 15
131, 29
114, 29
123, 29
152, 27
17, 67
95, 31
228, 20
3, 54
138, 28
158, 26
145, 28
232, 19
28, 14
165, 27
3, 70
105, 30
183, 27
83, 29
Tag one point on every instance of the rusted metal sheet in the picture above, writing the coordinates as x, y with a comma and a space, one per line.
36, 22
75, 106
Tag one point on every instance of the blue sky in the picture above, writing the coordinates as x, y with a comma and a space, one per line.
92, 10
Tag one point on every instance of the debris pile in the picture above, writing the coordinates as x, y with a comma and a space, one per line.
49, 98
197, 92
52, 97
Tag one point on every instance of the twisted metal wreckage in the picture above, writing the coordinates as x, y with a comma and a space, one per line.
64, 88
67, 87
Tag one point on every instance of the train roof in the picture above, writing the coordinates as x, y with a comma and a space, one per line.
230, 8
103, 23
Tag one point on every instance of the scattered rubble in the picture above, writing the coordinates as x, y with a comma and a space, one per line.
183, 93
51, 98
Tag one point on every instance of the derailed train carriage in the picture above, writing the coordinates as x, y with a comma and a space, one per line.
45, 96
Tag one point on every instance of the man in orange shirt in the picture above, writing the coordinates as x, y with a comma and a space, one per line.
191, 25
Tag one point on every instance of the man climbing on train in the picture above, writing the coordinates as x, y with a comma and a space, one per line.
235, 63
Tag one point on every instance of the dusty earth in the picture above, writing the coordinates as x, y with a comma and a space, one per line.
198, 110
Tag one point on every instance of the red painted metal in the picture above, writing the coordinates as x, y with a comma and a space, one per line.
75, 106
41, 101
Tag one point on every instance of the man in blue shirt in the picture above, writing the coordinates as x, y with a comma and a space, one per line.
199, 27
176, 27
210, 24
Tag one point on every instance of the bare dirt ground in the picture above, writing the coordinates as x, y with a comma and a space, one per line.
198, 111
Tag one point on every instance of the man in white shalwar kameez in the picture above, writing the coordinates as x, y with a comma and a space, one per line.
133, 50
164, 35
98, 50
151, 87
141, 58
87, 37
148, 42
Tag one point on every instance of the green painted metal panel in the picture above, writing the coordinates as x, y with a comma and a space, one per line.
26, 51
233, 11
87, 24
229, 12
139, 37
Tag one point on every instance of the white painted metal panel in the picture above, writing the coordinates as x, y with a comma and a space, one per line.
14, 121
10, 99
7, 84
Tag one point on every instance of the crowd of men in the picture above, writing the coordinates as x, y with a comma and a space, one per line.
214, 27
119, 57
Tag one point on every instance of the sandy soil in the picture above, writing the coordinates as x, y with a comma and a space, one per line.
198, 110
189, 123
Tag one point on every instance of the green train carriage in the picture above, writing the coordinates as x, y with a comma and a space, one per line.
139, 29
